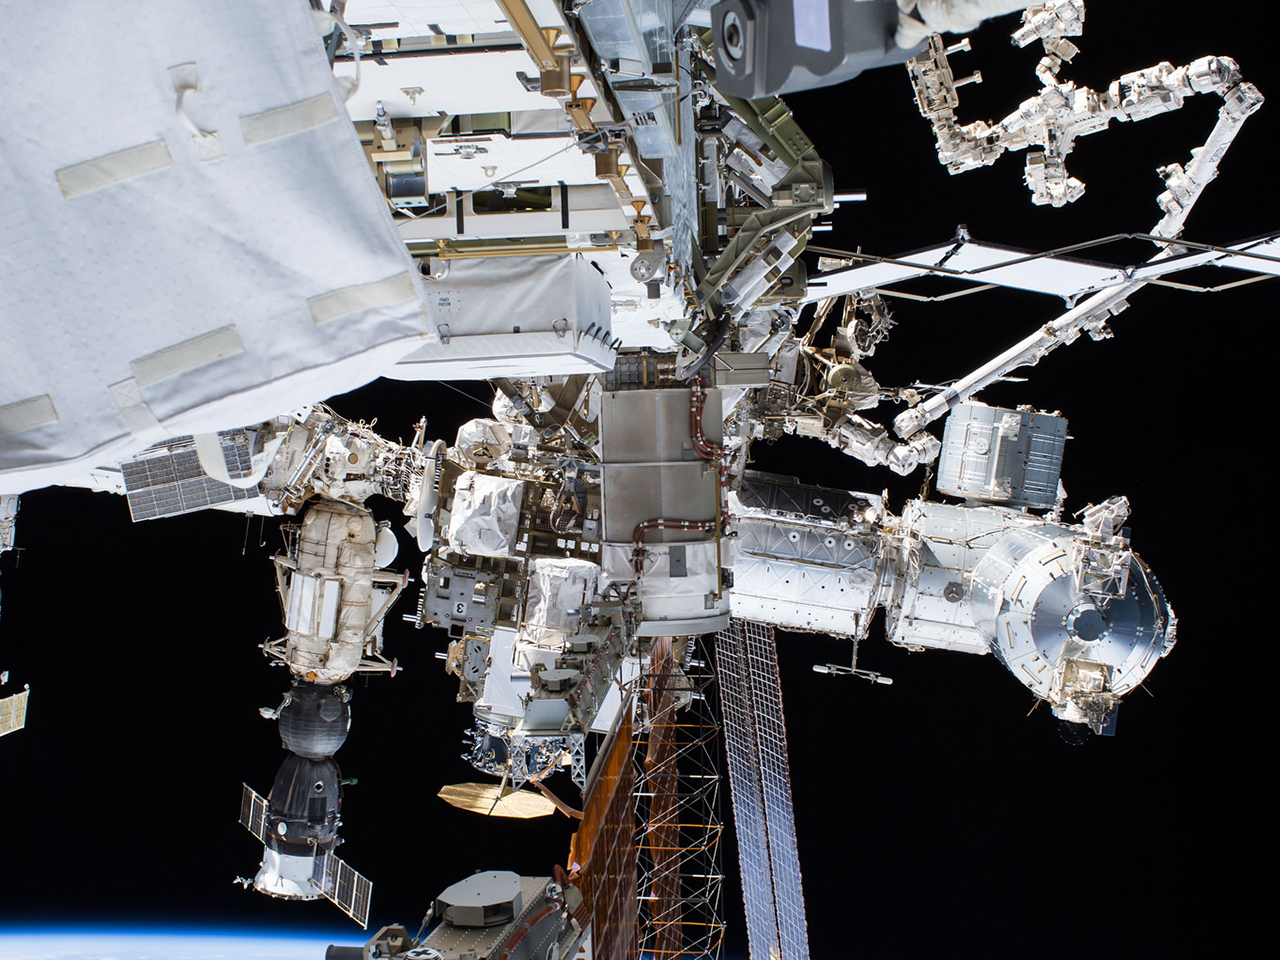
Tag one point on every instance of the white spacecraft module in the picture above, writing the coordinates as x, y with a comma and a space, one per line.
512, 317
333, 594
203, 247
1073, 614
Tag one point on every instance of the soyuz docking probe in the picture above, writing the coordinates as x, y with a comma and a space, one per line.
601, 208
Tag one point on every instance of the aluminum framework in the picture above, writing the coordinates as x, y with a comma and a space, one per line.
678, 806
760, 780
602, 853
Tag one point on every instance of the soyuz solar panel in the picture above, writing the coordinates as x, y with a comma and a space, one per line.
344, 886
253, 812
760, 780
167, 480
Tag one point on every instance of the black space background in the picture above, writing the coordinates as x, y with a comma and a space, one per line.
934, 817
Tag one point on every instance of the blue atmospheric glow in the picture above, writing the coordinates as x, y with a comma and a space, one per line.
122, 944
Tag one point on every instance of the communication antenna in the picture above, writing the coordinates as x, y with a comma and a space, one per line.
852, 670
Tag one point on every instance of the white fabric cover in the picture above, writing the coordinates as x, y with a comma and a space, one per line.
215, 256
557, 586
485, 515
481, 440
515, 317
416, 18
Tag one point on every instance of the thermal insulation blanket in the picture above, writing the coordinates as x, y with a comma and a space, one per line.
193, 237
485, 516
558, 588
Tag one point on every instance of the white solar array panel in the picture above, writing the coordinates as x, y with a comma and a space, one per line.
1067, 277
760, 780
253, 813
1250, 258
977, 263
342, 885
167, 480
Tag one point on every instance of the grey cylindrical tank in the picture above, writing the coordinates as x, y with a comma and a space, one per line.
997, 455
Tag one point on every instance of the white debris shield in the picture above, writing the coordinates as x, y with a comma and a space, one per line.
558, 588
193, 240
485, 517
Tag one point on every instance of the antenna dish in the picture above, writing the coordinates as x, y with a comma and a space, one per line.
492, 800
385, 548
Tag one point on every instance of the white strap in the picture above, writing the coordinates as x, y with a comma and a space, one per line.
362, 296
186, 80
111, 168
135, 413
27, 414
288, 120
187, 356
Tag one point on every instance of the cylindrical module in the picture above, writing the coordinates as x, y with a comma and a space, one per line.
331, 592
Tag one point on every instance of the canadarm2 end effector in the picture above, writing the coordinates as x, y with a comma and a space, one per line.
871, 443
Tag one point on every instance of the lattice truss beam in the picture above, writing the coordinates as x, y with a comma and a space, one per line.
679, 825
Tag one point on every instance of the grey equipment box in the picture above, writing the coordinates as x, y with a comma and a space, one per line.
768, 47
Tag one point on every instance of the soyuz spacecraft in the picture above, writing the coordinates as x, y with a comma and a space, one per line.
601, 209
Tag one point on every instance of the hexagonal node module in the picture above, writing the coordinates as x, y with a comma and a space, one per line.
482, 900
